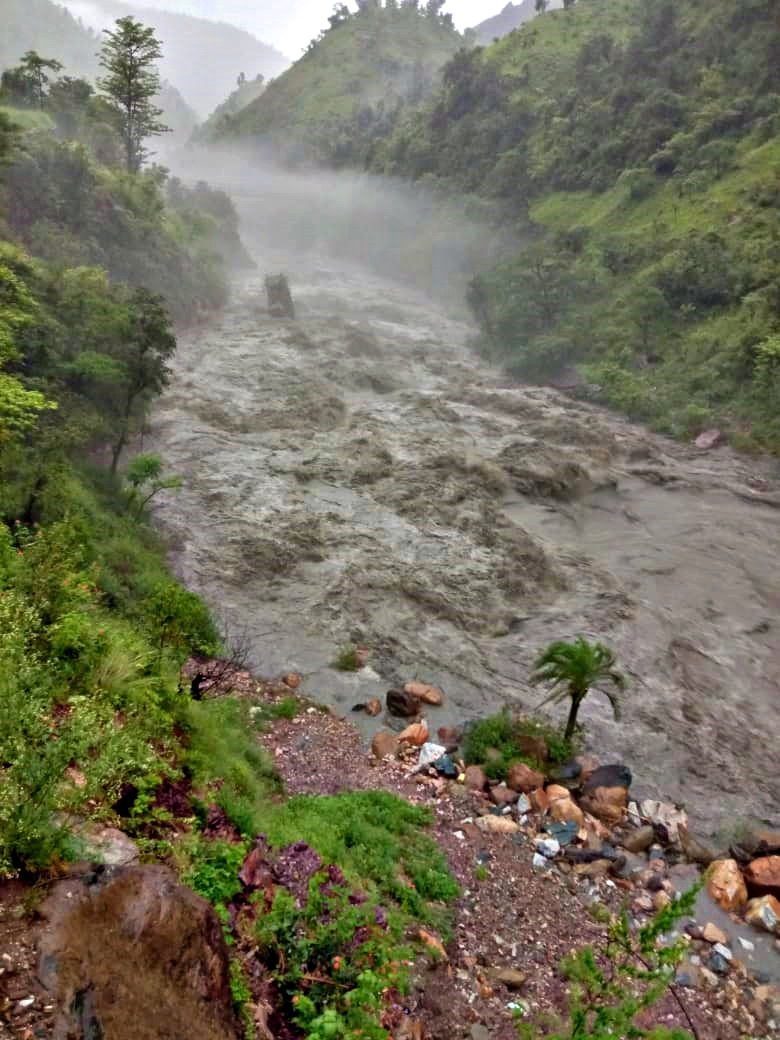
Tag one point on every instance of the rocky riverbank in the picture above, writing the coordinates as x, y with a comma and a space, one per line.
540, 860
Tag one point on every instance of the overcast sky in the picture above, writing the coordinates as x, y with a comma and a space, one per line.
290, 24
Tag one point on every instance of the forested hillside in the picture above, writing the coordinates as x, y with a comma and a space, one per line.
507, 19
95, 261
49, 29
350, 81
637, 146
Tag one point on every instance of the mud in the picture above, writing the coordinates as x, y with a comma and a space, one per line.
359, 475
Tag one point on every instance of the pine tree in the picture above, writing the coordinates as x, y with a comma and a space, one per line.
129, 56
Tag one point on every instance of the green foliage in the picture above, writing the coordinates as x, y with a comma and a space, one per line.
345, 91
129, 57
347, 659
610, 988
496, 743
145, 479
572, 670
213, 873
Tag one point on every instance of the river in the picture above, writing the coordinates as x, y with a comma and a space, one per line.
359, 475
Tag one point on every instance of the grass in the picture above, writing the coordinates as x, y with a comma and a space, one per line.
493, 743
347, 660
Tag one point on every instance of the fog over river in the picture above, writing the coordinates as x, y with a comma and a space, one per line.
358, 474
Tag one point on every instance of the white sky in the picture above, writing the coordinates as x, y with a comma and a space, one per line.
290, 24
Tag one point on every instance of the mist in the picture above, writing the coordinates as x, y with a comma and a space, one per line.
397, 230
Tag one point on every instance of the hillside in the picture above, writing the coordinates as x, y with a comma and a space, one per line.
53, 32
354, 75
636, 147
508, 18
192, 45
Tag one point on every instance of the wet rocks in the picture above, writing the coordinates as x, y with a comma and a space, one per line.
523, 779
708, 440
424, 692
665, 818
502, 795
712, 934
402, 703
384, 744
131, 952
763, 876
416, 734
562, 806
764, 913
497, 824
605, 793
726, 885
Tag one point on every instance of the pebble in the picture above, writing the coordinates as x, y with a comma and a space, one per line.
712, 934
27, 1002
719, 964
746, 944
540, 862
722, 950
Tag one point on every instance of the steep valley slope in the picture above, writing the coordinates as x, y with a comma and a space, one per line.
357, 474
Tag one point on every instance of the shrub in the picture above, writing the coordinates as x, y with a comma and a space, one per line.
493, 743
347, 659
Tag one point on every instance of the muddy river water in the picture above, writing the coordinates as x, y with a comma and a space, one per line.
358, 474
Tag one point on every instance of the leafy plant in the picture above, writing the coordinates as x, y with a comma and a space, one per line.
610, 988
347, 659
497, 742
574, 669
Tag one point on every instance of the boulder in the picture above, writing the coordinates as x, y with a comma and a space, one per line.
764, 913
726, 885
474, 778
384, 744
416, 734
292, 679
539, 801
129, 952
666, 818
607, 804
424, 692
605, 793
280, 302
523, 779
430, 753
763, 876
563, 807
373, 706
709, 439
402, 704
111, 847
712, 934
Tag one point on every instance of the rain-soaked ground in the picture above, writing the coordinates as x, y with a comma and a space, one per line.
357, 474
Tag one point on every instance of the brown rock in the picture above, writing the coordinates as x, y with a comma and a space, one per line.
373, 706
726, 885
491, 824
712, 934
509, 977
475, 779
292, 679
607, 804
136, 955
523, 779
402, 704
416, 734
563, 807
763, 876
539, 800
503, 795
639, 840
661, 900
424, 692
384, 744
764, 913
596, 868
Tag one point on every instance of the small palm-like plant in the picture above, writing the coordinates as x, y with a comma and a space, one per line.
574, 669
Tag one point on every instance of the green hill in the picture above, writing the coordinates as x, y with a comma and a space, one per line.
635, 146
355, 73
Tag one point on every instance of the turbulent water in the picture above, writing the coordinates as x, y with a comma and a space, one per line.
358, 475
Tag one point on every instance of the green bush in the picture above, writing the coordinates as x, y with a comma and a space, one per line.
493, 743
